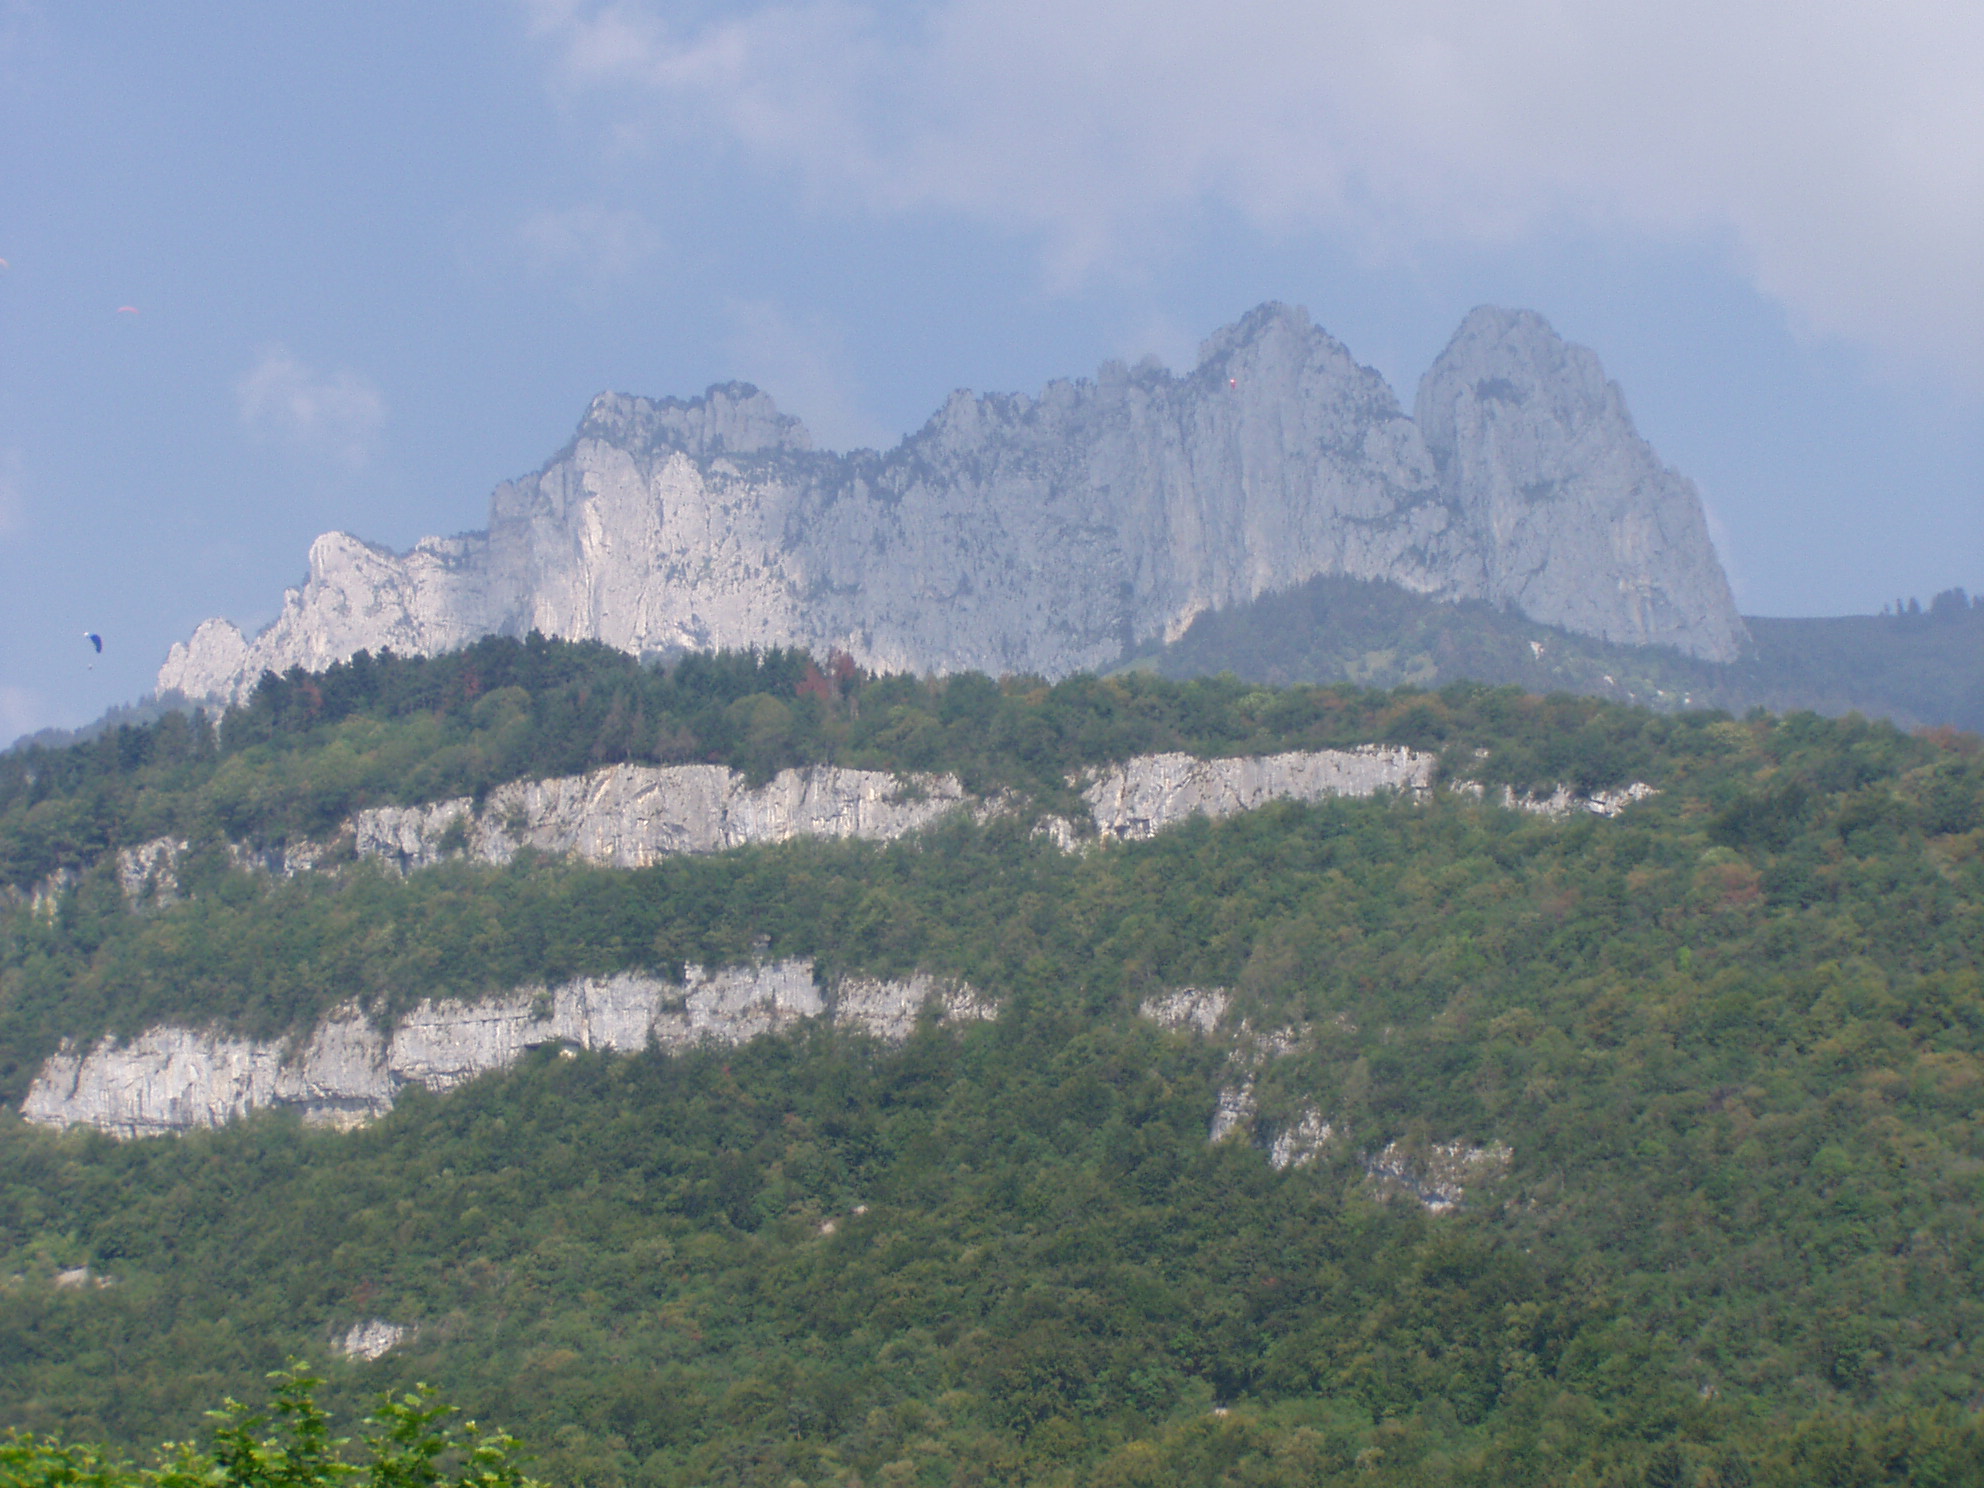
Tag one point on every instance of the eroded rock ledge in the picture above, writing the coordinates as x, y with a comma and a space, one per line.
1141, 797
627, 816
347, 1071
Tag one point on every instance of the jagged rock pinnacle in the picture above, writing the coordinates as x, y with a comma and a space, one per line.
1577, 520
1048, 534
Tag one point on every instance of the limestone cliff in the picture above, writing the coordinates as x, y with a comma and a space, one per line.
1142, 796
1577, 520
1047, 534
627, 816
346, 1070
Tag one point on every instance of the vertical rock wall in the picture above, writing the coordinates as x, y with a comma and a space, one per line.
1048, 534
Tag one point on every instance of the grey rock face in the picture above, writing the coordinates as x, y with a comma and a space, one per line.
371, 1339
1188, 1009
1141, 797
1576, 520
346, 1071
1301, 1142
626, 816
1437, 1176
1046, 534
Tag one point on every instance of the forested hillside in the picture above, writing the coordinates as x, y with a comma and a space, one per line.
1554, 1149
1920, 667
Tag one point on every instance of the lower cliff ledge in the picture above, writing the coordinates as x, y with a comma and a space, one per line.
346, 1071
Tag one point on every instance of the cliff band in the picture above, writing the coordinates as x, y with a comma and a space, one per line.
347, 1071
1050, 534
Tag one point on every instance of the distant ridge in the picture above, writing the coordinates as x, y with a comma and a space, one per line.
1050, 534
1920, 669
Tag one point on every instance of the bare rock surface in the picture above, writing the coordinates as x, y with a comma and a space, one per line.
1141, 797
1564, 801
1198, 1009
1438, 1176
1301, 1141
626, 816
346, 1071
1581, 525
371, 1339
1047, 534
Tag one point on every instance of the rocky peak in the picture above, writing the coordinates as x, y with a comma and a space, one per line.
1575, 515
731, 418
1273, 324
1052, 533
1511, 371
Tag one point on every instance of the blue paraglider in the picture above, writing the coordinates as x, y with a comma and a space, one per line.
95, 640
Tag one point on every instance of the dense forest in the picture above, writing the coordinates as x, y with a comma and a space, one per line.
308, 751
1733, 1041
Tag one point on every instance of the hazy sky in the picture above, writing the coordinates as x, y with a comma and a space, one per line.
381, 255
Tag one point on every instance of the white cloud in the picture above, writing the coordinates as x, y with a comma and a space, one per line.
596, 242
318, 414
804, 365
1836, 147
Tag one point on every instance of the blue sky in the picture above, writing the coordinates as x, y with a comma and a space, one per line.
381, 256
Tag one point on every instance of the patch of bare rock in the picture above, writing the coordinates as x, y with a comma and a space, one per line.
347, 1071
1438, 1176
373, 1338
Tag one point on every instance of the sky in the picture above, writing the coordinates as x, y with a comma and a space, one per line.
279, 268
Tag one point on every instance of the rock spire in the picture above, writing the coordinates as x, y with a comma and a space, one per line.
1048, 534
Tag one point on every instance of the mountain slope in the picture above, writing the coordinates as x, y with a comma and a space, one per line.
1393, 1140
1048, 535
1923, 669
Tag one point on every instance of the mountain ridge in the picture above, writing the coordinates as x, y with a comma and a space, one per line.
1051, 533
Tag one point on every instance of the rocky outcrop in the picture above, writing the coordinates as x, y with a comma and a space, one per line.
625, 816
1564, 801
1579, 523
1437, 1176
1234, 1113
149, 872
346, 1070
1301, 1141
1048, 534
1188, 1009
1141, 797
371, 1339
